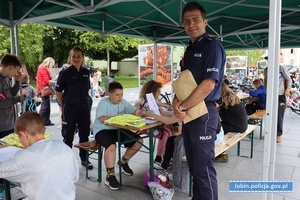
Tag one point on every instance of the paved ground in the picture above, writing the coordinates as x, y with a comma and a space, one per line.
238, 168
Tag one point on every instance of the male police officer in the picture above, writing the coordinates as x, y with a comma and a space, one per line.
205, 58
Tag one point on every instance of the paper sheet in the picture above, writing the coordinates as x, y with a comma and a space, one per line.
152, 103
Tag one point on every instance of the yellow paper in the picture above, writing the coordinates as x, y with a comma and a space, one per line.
183, 87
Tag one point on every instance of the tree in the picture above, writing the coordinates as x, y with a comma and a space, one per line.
30, 43
110, 47
58, 42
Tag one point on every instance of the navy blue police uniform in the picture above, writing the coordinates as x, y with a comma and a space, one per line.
75, 86
205, 58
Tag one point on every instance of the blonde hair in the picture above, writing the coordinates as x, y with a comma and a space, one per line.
228, 97
31, 122
48, 63
77, 48
25, 78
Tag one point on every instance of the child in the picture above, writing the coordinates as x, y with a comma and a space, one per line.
259, 102
142, 104
46, 169
9, 67
31, 99
107, 136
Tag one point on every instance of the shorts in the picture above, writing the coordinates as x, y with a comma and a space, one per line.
108, 137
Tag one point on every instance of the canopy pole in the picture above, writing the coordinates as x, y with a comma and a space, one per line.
269, 158
17, 41
154, 55
11, 20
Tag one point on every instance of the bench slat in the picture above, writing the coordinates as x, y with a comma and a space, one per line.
90, 145
258, 115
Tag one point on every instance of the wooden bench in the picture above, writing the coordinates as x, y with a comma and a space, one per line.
257, 118
229, 140
92, 147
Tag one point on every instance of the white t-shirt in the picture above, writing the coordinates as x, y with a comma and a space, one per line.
46, 170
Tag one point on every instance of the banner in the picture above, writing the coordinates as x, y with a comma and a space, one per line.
164, 63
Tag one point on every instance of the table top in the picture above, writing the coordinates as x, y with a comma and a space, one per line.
242, 95
146, 127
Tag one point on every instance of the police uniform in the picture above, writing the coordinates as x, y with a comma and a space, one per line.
75, 86
205, 58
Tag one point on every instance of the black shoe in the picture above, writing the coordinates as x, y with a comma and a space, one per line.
49, 124
87, 165
112, 182
126, 169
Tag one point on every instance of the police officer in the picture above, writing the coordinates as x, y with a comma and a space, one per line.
74, 82
205, 58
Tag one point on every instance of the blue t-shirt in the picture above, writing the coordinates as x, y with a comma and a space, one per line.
206, 58
106, 108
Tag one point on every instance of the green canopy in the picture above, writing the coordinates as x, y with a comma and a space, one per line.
237, 23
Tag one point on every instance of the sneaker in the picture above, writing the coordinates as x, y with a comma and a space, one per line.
157, 166
126, 169
87, 165
112, 182
222, 158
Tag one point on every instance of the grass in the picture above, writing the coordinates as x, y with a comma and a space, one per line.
126, 81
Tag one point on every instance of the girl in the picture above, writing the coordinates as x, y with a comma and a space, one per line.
163, 133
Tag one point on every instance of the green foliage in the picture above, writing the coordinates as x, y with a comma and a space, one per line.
30, 44
58, 42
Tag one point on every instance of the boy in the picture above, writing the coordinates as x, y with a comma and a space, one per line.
31, 100
259, 102
9, 67
107, 136
46, 169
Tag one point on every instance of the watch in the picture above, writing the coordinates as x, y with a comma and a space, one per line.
181, 108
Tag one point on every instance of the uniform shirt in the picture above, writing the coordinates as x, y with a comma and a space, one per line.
46, 170
106, 108
205, 58
75, 85
7, 100
260, 93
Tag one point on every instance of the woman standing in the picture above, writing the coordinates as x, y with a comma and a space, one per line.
72, 92
44, 79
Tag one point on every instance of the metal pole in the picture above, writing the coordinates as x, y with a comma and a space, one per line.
272, 97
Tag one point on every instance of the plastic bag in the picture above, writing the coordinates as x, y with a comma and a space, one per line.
159, 192
147, 179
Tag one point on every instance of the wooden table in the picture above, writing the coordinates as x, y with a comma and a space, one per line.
242, 95
150, 148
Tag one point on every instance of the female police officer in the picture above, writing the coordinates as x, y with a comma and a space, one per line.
74, 82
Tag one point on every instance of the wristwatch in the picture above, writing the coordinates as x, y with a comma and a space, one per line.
181, 108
